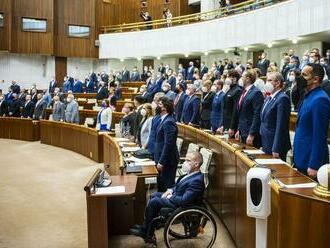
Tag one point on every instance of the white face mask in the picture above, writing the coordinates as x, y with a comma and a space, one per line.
228, 81
241, 83
165, 89
186, 167
187, 92
143, 112
68, 99
269, 88
311, 60
204, 89
291, 78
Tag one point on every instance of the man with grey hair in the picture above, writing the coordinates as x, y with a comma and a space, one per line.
28, 108
190, 112
166, 87
275, 117
72, 110
58, 109
40, 107
187, 190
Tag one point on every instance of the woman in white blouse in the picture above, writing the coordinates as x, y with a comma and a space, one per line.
144, 127
104, 117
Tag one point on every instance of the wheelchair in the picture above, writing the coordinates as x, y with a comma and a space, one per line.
192, 226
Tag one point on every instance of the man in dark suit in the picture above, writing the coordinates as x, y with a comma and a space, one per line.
275, 118
15, 87
125, 75
182, 71
89, 85
326, 86
263, 64
179, 101
21, 97
40, 107
188, 190
190, 112
3, 106
166, 152
28, 108
155, 86
135, 75
204, 69
14, 107
102, 92
190, 71
52, 86
249, 107
230, 101
171, 79
217, 106
77, 86
310, 146
138, 103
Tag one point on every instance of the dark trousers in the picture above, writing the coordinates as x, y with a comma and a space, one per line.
206, 124
155, 204
166, 178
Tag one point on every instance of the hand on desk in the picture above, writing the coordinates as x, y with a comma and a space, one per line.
220, 130
249, 140
159, 167
231, 132
311, 173
276, 155
236, 135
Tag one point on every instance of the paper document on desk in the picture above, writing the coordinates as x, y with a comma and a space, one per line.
297, 186
121, 139
253, 152
267, 161
145, 163
134, 159
110, 190
130, 149
122, 144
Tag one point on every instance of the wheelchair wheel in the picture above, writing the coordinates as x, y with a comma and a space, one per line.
195, 227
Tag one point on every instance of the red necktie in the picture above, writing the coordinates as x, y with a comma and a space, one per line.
241, 99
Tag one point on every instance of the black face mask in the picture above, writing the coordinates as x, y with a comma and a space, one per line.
302, 82
158, 110
177, 91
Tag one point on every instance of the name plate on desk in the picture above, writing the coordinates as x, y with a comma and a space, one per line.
253, 152
269, 161
110, 190
130, 149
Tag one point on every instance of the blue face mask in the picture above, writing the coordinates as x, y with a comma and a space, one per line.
104, 105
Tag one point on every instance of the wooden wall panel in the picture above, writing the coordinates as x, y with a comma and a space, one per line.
76, 12
186, 9
5, 32
60, 69
32, 42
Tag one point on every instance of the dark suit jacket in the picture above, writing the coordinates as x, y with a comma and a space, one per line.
190, 112
229, 110
274, 128
4, 108
249, 113
207, 106
77, 88
135, 76
89, 86
128, 122
179, 106
183, 72
102, 93
204, 70
326, 86
190, 73
172, 81
166, 151
310, 140
28, 110
39, 110
263, 66
188, 190
125, 76
52, 86
14, 108
216, 113
21, 99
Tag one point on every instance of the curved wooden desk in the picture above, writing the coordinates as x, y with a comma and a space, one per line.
19, 128
298, 217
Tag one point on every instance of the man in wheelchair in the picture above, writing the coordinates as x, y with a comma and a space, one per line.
188, 190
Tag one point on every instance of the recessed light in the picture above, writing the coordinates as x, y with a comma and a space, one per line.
121, 60
294, 41
206, 53
246, 49
186, 55
270, 45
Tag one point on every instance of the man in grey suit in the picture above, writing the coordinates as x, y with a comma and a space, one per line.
58, 109
166, 87
40, 107
72, 110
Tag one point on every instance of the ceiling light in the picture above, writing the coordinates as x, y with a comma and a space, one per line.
294, 41
139, 59
186, 55
158, 57
226, 51
270, 45
121, 60
246, 49
206, 53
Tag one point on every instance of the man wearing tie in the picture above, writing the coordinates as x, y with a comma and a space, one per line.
58, 109
125, 75
28, 108
166, 152
89, 85
190, 71
249, 107
102, 92
72, 110
3, 106
190, 112
179, 101
77, 86
135, 75
204, 69
39, 108
275, 118
310, 146
182, 71
171, 79
217, 105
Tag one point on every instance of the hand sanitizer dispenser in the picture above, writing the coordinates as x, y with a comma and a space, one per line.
259, 201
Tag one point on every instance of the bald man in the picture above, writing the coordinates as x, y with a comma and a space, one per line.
188, 190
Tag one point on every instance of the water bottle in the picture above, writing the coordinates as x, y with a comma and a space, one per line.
226, 135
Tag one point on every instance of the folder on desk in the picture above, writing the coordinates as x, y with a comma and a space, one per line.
254, 152
134, 169
134, 159
121, 139
110, 190
266, 161
130, 149
145, 163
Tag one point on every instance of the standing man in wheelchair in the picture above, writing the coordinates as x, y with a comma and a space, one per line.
188, 190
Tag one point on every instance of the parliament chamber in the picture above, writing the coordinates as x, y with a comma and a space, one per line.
205, 117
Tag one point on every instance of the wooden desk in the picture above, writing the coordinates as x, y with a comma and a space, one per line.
110, 214
19, 128
77, 138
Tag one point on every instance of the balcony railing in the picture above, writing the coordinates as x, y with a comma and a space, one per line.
192, 18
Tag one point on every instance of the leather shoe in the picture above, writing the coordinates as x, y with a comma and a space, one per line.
138, 232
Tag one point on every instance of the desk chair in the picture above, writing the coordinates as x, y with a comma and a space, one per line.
179, 143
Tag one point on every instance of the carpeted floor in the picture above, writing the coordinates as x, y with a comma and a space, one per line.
42, 202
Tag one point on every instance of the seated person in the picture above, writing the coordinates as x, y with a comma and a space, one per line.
188, 190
